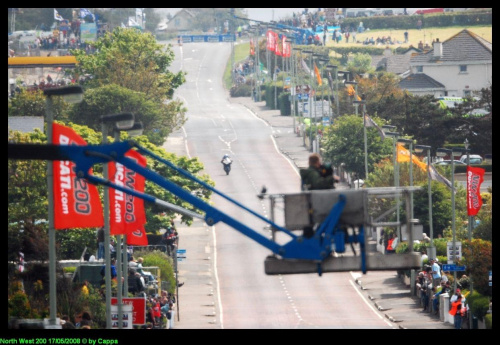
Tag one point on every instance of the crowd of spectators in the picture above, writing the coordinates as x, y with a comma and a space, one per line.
431, 283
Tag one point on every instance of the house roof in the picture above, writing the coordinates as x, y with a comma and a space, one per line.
182, 12
397, 64
464, 46
419, 81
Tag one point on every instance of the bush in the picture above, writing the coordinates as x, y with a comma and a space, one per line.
241, 90
488, 321
478, 304
161, 260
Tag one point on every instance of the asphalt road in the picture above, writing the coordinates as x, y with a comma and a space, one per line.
225, 286
224, 269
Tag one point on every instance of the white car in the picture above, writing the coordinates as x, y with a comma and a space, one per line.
473, 159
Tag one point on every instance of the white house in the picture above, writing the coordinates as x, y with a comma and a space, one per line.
457, 67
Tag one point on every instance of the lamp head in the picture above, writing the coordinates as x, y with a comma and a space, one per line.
443, 152
421, 148
71, 93
122, 121
136, 130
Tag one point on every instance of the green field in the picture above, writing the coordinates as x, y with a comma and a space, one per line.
415, 36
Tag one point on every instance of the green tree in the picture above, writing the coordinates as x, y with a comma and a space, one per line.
484, 230
133, 60
360, 64
477, 257
159, 120
343, 143
383, 176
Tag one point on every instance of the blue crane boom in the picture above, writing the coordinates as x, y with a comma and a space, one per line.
298, 255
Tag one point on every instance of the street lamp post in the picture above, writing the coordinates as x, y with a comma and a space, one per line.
410, 148
427, 149
332, 69
395, 136
122, 121
311, 99
297, 82
71, 94
355, 83
441, 152
363, 102
323, 62
470, 218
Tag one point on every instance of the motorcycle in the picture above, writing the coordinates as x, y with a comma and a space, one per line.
226, 162
227, 167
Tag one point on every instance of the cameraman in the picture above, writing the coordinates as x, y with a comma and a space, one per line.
317, 176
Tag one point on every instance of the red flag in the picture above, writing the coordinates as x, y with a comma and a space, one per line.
126, 211
287, 48
271, 40
76, 202
252, 47
475, 176
137, 237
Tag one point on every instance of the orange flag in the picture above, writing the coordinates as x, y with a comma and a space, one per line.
318, 76
403, 155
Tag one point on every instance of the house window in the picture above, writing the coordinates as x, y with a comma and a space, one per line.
420, 69
463, 68
467, 93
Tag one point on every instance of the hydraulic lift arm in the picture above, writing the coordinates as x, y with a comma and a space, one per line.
304, 252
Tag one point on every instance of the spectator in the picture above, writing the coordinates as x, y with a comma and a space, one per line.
392, 243
424, 257
435, 297
132, 262
436, 272
135, 285
100, 243
419, 24
456, 309
86, 319
406, 36
78, 319
113, 270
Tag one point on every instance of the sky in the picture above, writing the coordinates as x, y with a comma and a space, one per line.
268, 14
262, 14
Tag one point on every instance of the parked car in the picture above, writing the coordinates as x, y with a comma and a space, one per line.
447, 162
473, 159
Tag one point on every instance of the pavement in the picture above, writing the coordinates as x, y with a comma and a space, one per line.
388, 292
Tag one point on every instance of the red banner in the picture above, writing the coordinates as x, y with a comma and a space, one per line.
287, 48
475, 177
271, 40
278, 50
76, 202
138, 308
252, 47
137, 237
126, 212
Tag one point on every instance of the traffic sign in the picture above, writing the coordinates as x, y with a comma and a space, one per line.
181, 251
453, 268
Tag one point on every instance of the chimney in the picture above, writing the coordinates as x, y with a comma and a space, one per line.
438, 48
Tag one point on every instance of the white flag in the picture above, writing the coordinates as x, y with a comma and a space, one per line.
57, 16
368, 121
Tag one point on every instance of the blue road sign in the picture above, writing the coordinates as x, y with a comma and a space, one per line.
181, 251
453, 268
